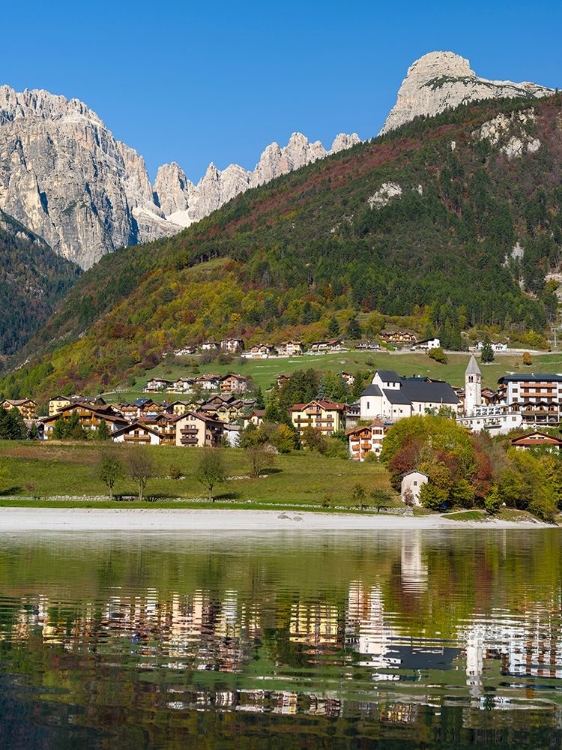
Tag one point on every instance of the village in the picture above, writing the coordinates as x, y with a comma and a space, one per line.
213, 410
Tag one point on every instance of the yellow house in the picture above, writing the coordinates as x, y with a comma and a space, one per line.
57, 403
325, 416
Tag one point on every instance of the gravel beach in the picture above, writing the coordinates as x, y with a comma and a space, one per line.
137, 519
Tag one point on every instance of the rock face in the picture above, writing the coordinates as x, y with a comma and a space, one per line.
183, 202
443, 80
510, 133
64, 175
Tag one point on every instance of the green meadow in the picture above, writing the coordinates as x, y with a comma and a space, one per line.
37, 473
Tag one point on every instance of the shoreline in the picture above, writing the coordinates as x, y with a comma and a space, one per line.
137, 519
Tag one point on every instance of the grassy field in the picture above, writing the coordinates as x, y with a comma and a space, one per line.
265, 372
52, 470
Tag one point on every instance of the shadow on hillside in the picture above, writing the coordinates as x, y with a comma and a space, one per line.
228, 496
10, 491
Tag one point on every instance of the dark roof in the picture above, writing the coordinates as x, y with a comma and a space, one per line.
398, 396
372, 390
435, 392
412, 389
420, 390
388, 376
532, 377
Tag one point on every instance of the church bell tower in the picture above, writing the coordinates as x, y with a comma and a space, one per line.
472, 387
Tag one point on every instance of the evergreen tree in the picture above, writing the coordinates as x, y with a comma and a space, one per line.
258, 395
60, 431
333, 327
75, 429
353, 330
12, 425
333, 388
487, 352
103, 433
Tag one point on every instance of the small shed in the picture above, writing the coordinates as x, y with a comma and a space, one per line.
412, 483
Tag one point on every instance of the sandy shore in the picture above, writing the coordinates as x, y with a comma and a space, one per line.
136, 519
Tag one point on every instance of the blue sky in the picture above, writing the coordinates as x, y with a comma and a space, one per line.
199, 82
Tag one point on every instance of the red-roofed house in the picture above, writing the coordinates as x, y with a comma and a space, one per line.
537, 440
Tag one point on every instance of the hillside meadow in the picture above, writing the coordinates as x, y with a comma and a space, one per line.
265, 372
56, 470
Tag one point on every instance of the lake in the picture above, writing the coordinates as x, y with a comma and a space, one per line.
396, 639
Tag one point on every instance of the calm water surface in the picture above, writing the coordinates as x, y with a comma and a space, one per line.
357, 640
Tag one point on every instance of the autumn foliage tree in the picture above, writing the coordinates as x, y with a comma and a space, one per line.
450, 456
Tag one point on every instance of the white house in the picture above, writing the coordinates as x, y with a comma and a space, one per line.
497, 346
428, 344
410, 489
137, 434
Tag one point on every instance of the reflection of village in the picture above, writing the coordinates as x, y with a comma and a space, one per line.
360, 639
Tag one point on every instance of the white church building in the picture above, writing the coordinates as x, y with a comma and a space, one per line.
391, 397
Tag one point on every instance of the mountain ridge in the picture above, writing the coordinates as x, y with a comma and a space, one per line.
421, 222
64, 175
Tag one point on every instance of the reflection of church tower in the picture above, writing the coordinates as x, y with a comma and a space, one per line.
414, 572
472, 387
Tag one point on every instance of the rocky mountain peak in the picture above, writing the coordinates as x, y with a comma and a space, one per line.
436, 64
443, 80
65, 176
343, 142
41, 104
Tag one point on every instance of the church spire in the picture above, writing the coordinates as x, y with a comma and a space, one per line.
472, 386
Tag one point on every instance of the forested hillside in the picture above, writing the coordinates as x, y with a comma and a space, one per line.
453, 221
32, 279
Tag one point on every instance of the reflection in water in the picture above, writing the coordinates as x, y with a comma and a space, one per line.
437, 633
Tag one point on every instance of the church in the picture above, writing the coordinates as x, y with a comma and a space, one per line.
391, 397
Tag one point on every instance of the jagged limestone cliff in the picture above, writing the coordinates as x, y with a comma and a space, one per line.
65, 176
183, 202
444, 80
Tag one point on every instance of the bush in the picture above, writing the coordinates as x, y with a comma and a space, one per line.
433, 497
175, 472
336, 449
438, 355
493, 501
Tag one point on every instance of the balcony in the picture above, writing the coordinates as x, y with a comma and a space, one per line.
188, 440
